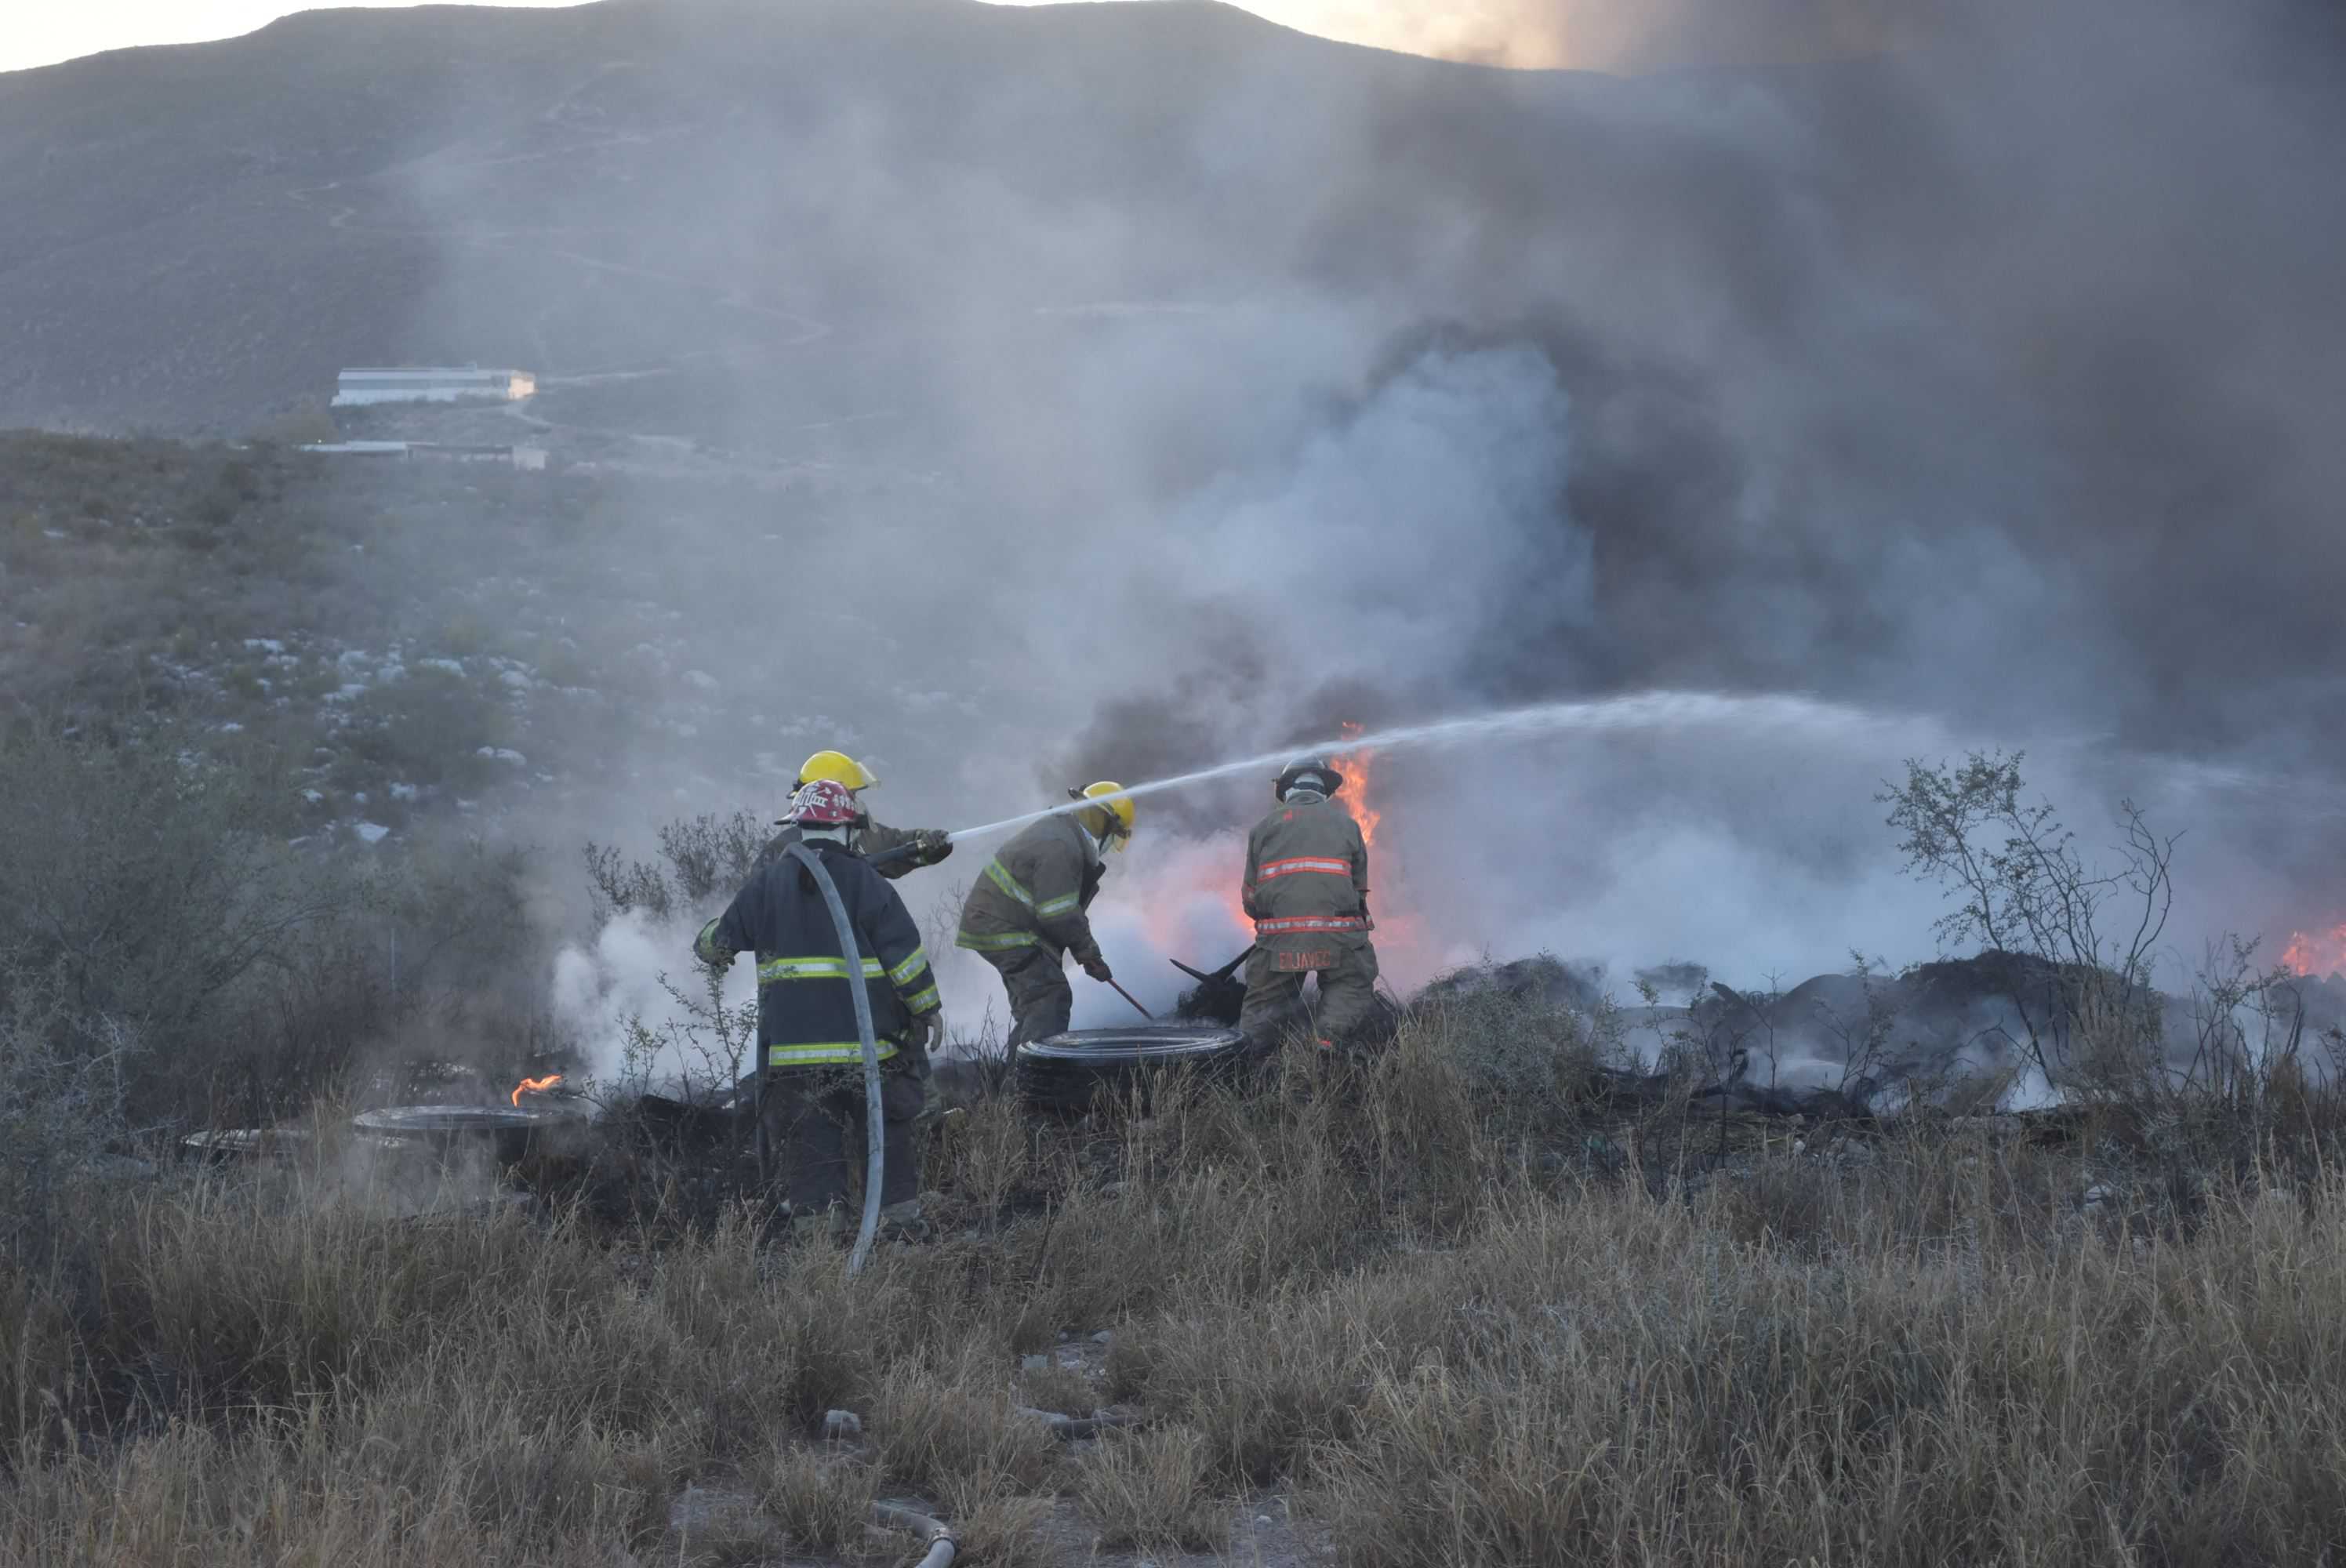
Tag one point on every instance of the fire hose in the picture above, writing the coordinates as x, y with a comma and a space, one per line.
875, 1130
939, 1536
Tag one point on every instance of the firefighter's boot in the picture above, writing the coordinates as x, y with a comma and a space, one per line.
904, 1221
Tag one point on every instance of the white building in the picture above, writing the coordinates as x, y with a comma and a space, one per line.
431, 383
527, 457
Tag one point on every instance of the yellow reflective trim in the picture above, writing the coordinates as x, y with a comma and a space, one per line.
995, 942
823, 1052
773, 969
922, 1001
909, 967
1001, 878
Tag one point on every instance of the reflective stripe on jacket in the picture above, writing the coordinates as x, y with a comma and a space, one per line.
1307, 877
806, 1014
1035, 893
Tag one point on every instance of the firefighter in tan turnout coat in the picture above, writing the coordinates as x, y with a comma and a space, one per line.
1307, 890
1027, 911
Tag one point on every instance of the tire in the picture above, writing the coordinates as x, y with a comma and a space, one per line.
1064, 1072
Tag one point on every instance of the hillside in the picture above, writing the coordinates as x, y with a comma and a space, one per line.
200, 236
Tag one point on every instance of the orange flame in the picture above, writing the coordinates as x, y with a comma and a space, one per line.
2317, 953
1357, 768
533, 1086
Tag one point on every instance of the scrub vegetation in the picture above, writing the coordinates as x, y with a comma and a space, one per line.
1456, 1300
1380, 1314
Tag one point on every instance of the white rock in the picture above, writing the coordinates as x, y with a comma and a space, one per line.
403, 792
501, 754
373, 832
2099, 1194
264, 644
515, 678
701, 678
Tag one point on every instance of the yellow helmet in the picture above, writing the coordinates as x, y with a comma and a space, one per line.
1110, 821
839, 768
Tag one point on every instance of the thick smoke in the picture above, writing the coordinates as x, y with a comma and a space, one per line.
1170, 387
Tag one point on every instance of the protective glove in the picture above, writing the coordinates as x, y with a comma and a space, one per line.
923, 1031
932, 846
1095, 966
709, 951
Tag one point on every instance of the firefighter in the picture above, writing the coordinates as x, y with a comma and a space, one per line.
1027, 912
810, 1089
928, 845
1307, 891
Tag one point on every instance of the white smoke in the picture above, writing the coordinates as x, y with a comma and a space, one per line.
1364, 389
635, 1000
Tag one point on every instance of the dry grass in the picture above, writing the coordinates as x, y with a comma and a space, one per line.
1153, 1488
1363, 1295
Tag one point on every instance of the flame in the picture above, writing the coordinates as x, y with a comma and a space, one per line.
533, 1086
2317, 953
1358, 767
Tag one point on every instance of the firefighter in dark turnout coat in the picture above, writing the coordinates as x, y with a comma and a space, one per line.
1307, 890
810, 1099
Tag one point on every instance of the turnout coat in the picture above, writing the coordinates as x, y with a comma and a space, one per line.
806, 1013
1034, 894
1307, 883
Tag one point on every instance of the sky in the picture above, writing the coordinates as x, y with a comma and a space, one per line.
1532, 34
43, 35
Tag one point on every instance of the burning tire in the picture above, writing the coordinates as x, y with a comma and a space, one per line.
1066, 1071
512, 1132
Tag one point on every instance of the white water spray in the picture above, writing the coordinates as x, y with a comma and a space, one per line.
1643, 710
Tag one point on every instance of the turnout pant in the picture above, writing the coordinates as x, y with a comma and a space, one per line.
1041, 1000
813, 1120
1274, 996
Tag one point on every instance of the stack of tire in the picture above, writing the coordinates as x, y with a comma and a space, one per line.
1069, 1072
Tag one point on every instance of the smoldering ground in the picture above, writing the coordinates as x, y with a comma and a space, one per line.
1225, 385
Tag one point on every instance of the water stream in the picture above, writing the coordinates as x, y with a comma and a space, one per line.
1649, 710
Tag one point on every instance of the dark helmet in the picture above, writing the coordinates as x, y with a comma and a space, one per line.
1309, 773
